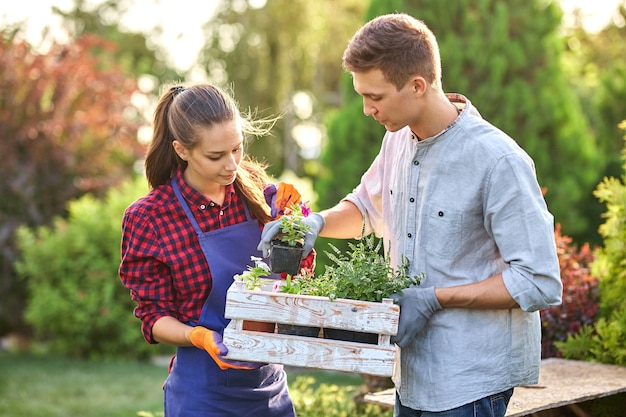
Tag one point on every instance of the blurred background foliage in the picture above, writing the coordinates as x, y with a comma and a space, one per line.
75, 117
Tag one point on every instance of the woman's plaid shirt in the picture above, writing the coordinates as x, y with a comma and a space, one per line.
162, 261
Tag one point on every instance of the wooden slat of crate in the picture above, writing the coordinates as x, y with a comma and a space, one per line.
311, 311
368, 317
309, 352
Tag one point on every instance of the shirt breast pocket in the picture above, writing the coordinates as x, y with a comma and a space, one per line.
443, 234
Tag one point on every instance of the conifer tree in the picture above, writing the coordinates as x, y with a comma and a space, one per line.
505, 57
596, 70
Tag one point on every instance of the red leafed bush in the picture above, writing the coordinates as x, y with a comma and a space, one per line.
67, 127
580, 295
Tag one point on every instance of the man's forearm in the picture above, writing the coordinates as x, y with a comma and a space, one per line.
488, 294
344, 221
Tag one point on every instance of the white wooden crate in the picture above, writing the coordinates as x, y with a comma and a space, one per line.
311, 352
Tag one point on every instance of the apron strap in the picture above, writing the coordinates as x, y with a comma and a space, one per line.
188, 212
183, 203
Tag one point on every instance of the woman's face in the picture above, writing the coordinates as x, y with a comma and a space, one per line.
213, 162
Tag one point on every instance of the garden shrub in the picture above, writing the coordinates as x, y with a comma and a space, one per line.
611, 406
330, 400
603, 342
606, 340
580, 295
77, 305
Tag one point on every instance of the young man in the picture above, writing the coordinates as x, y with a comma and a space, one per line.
460, 199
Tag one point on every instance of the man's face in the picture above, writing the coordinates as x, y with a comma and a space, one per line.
381, 99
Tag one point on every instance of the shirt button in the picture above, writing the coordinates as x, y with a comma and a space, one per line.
221, 212
412, 200
416, 162
440, 214
202, 206
409, 235
212, 204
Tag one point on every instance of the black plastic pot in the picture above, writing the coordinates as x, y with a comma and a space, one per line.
284, 258
298, 330
351, 336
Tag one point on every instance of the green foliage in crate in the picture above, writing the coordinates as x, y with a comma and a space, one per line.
361, 273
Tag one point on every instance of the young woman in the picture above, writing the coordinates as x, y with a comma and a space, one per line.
183, 242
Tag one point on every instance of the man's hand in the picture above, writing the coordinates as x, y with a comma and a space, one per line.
315, 221
211, 341
417, 305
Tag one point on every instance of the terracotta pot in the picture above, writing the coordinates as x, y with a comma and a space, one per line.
285, 258
298, 330
259, 326
351, 336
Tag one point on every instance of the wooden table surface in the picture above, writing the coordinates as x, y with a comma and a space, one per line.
561, 383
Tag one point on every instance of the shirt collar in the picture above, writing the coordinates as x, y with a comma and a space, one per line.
465, 108
194, 197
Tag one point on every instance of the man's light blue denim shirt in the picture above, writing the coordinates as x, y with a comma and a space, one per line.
462, 206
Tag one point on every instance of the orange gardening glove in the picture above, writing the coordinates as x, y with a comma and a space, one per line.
286, 195
211, 341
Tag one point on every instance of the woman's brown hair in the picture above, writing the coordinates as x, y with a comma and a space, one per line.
178, 114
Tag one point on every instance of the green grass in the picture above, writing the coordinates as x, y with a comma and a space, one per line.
51, 387
58, 387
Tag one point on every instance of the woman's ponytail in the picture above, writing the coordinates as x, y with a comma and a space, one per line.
161, 159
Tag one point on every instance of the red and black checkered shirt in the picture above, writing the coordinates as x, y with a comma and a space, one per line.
162, 261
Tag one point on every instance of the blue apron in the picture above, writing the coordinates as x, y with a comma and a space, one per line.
196, 386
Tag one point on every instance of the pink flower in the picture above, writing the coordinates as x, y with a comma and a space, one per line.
306, 210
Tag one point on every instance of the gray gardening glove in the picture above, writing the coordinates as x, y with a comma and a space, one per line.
417, 305
315, 221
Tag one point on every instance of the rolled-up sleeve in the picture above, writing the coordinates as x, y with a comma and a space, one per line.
144, 274
523, 228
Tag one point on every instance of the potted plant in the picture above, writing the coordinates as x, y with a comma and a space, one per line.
287, 247
297, 285
286, 250
254, 279
362, 273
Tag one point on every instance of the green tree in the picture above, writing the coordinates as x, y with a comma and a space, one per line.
269, 54
605, 341
595, 68
505, 57
67, 129
133, 53
354, 141
611, 258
